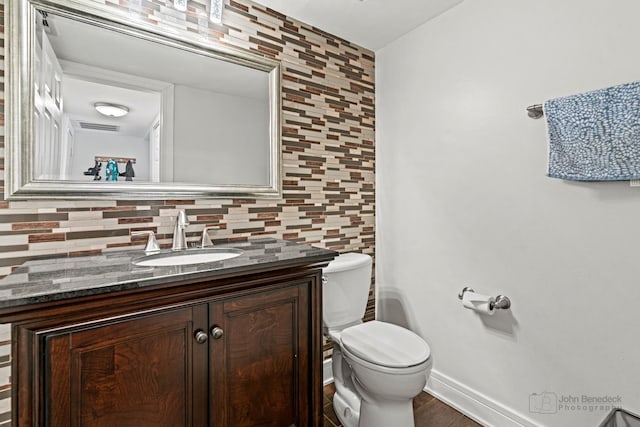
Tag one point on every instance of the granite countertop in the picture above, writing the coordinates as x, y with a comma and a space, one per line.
54, 279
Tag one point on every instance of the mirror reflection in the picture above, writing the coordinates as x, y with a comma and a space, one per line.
113, 107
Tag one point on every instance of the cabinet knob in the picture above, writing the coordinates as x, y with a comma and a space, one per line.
201, 337
217, 332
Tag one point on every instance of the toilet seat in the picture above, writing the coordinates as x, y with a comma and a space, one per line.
385, 345
411, 370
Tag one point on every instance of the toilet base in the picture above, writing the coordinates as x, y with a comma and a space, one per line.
348, 416
398, 414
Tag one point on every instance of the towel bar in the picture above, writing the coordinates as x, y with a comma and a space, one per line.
535, 111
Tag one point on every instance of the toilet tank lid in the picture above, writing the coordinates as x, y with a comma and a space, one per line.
385, 344
348, 261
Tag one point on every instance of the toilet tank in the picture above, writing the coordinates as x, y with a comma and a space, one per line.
345, 290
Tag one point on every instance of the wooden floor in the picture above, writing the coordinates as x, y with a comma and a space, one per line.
428, 412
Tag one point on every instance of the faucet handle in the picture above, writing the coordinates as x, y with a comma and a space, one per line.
152, 243
206, 240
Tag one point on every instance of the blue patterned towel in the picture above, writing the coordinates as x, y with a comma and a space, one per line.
595, 136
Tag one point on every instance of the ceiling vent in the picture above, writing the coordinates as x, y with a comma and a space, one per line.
99, 126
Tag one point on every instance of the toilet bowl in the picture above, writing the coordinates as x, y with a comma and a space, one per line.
378, 367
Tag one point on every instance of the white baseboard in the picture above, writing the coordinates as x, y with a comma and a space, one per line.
474, 404
327, 372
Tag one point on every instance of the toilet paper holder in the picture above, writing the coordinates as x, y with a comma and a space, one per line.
501, 302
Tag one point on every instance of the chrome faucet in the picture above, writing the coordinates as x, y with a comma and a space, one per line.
179, 237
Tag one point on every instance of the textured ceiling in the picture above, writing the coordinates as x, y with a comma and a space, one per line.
369, 23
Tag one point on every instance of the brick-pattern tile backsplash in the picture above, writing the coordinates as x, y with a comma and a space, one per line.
328, 156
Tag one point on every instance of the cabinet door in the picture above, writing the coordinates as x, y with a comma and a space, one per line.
259, 359
138, 371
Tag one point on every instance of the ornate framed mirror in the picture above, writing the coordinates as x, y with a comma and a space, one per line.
106, 105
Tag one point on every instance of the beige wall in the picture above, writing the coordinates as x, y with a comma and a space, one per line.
328, 160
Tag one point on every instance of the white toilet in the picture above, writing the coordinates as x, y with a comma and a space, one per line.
378, 367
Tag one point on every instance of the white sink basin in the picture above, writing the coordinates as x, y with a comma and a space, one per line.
187, 257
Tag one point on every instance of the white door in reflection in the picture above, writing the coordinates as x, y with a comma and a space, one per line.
48, 105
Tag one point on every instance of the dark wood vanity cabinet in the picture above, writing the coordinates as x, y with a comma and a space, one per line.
141, 370
259, 367
222, 353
